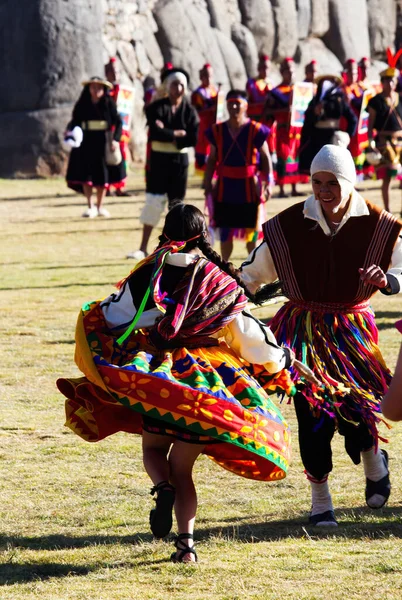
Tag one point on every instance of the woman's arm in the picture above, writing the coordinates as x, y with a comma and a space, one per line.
392, 402
255, 342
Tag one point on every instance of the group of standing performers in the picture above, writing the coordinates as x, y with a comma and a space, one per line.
175, 356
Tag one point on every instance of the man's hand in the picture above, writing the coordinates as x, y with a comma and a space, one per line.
374, 275
159, 124
179, 133
266, 190
207, 189
113, 145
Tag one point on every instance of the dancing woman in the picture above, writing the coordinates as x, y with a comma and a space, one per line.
169, 356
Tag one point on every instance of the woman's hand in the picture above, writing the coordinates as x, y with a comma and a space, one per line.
113, 145
374, 275
318, 109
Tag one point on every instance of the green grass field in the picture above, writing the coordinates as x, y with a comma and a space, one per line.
74, 516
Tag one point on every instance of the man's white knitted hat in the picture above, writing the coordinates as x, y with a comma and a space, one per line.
339, 161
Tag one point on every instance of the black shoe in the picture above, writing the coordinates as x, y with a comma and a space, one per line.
379, 488
325, 519
183, 548
160, 517
122, 194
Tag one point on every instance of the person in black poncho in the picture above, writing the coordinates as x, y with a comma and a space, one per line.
322, 120
95, 112
173, 128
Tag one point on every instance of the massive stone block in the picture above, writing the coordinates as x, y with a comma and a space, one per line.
348, 34
303, 17
285, 15
224, 14
233, 61
197, 42
245, 43
48, 47
315, 48
258, 17
319, 24
382, 25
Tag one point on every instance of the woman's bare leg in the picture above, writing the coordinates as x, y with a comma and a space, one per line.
155, 449
88, 194
181, 460
100, 194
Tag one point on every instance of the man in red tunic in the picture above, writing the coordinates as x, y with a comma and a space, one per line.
354, 95
204, 100
258, 88
278, 108
240, 157
332, 253
310, 71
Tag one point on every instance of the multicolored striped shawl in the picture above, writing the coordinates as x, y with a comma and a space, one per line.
206, 300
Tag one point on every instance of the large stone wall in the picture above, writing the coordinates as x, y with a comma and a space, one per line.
49, 46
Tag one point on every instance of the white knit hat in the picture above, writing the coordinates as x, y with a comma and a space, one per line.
339, 161
175, 76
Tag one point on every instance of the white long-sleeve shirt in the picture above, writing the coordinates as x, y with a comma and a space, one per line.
247, 336
259, 267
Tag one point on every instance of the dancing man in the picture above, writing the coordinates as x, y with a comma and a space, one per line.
332, 253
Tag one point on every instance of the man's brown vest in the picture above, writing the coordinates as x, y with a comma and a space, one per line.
315, 267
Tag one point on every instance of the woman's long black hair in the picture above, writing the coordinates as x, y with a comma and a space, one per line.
184, 222
104, 107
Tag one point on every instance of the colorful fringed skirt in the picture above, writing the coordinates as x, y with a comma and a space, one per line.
340, 344
208, 392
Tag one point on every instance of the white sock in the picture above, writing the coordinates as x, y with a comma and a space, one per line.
320, 496
374, 464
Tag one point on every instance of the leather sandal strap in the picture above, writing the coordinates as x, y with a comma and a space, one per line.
162, 485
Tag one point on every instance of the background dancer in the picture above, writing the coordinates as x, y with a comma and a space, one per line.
385, 118
332, 253
239, 154
287, 137
96, 114
258, 87
310, 71
173, 128
204, 100
322, 120
117, 175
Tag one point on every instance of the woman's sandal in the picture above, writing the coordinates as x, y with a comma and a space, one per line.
183, 549
160, 517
